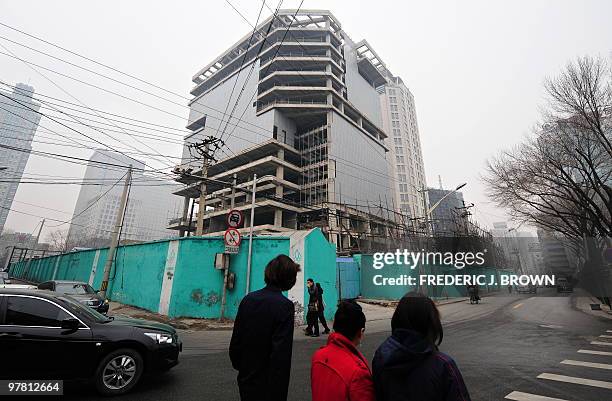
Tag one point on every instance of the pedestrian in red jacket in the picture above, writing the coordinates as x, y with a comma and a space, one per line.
339, 371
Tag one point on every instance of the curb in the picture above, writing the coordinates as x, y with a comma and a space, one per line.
392, 304
453, 301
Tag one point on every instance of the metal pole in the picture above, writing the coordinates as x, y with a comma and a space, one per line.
115, 235
425, 210
226, 271
248, 273
27, 268
233, 196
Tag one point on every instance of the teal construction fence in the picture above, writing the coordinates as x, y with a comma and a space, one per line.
370, 290
178, 278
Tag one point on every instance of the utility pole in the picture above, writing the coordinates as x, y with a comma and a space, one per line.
27, 268
202, 203
115, 235
206, 149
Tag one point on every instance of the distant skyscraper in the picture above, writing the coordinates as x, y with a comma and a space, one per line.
150, 204
557, 254
18, 124
447, 219
400, 123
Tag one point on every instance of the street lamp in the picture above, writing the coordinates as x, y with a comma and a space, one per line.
431, 209
444, 197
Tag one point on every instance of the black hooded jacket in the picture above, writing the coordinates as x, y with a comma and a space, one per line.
406, 367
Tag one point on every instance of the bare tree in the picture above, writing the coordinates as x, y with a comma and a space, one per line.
560, 178
58, 240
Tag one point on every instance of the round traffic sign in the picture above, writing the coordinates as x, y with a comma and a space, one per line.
234, 218
232, 237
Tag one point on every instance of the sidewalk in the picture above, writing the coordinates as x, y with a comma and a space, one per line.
393, 304
374, 310
180, 323
583, 301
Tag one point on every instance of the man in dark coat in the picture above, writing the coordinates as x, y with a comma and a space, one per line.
321, 310
262, 340
312, 316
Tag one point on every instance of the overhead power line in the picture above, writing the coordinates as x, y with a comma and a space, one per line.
229, 99
76, 99
94, 202
196, 102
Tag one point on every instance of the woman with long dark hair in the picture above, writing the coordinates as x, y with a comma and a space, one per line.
408, 366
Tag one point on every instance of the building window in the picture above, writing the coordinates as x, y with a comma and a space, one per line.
399, 149
393, 99
401, 177
398, 141
395, 123
391, 91
393, 107
396, 132
275, 132
401, 168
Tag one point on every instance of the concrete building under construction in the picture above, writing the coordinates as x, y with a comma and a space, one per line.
295, 103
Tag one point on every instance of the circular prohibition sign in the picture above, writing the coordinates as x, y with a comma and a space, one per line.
232, 237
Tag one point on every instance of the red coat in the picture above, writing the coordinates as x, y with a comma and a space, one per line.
339, 372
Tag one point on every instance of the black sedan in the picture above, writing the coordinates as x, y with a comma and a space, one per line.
78, 290
46, 335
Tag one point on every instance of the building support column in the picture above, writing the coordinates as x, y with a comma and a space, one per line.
279, 193
184, 215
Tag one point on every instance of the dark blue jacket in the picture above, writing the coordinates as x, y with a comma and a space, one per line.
261, 345
407, 367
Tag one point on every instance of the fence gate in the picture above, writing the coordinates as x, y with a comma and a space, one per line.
348, 278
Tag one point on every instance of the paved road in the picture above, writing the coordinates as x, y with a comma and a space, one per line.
506, 346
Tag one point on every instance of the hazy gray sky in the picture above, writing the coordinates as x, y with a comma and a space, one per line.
475, 68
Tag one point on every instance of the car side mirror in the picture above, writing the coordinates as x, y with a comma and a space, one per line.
70, 324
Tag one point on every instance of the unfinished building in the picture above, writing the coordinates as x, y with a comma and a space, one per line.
295, 102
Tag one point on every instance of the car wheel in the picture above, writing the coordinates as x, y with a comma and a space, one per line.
119, 372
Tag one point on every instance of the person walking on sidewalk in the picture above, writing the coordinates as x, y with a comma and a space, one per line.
321, 315
262, 340
339, 372
312, 316
408, 365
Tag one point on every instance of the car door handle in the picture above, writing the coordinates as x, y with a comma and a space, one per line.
11, 335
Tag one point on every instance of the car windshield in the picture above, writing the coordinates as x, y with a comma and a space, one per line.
74, 288
83, 311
